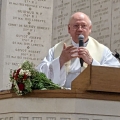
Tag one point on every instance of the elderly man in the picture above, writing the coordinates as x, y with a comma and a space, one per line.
62, 63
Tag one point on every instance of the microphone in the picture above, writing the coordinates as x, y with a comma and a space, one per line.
81, 43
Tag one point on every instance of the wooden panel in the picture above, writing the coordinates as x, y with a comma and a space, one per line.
64, 94
105, 79
82, 82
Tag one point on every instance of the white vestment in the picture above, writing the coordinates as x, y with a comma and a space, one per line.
51, 66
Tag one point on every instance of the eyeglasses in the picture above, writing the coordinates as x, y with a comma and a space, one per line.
76, 27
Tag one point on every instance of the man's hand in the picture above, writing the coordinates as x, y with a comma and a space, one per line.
67, 54
85, 55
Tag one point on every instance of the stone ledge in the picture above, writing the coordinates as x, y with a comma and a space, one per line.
64, 94
60, 106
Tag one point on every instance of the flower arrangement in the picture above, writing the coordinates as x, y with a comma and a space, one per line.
26, 78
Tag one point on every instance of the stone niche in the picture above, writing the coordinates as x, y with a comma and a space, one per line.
29, 28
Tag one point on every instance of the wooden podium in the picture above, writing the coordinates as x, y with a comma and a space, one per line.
97, 78
94, 94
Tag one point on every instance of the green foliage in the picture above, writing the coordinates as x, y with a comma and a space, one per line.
26, 78
42, 82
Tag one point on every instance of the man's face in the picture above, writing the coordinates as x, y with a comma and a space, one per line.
80, 24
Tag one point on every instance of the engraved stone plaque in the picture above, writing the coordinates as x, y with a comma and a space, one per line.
101, 20
115, 38
27, 33
81, 6
62, 12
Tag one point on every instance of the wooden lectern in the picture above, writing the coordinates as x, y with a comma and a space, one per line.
98, 82
97, 78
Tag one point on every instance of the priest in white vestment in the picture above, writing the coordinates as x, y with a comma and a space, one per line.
62, 64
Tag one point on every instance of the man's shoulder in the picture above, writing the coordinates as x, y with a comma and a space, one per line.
95, 41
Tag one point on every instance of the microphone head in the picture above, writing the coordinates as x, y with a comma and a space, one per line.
81, 37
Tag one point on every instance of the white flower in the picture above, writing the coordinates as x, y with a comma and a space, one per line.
27, 72
21, 72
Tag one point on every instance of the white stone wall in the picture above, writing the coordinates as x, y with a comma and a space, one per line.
58, 109
105, 16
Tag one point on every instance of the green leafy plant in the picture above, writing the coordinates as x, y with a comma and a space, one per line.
26, 78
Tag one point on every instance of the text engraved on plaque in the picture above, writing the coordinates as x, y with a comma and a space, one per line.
28, 28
